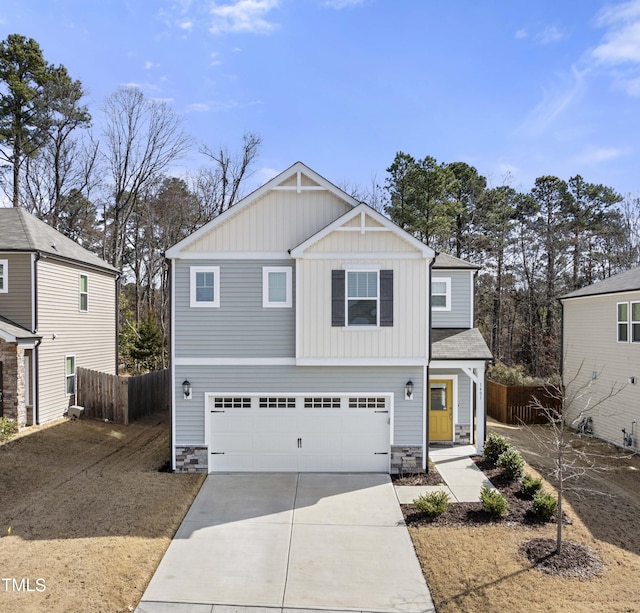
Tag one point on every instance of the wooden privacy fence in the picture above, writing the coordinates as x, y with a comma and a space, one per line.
513, 404
122, 399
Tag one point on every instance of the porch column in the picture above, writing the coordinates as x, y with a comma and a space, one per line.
481, 409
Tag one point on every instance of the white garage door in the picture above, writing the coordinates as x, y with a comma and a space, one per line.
298, 433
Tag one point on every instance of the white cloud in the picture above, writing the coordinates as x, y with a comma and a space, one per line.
551, 34
214, 60
342, 4
149, 65
595, 155
242, 16
621, 43
521, 34
186, 24
198, 107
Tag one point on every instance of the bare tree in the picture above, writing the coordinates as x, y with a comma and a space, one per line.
142, 138
220, 187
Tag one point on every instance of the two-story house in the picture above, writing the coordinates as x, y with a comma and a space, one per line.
57, 312
302, 338
601, 357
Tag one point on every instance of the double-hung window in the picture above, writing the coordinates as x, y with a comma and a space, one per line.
276, 286
628, 324
84, 293
205, 286
362, 298
635, 322
4, 276
70, 374
441, 294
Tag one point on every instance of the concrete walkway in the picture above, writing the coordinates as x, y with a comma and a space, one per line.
463, 478
286, 542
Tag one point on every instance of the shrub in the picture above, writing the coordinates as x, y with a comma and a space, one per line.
493, 502
530, 486
432, 503
512, 463
545, 505
494, 446
8, 428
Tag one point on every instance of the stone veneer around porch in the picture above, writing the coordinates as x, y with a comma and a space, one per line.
13, 382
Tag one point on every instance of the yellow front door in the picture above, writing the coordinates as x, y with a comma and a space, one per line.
440, 410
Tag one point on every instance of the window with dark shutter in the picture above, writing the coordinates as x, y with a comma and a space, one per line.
386, 298
337, 297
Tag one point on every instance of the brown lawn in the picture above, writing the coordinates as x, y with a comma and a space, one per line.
90, 515
479, 568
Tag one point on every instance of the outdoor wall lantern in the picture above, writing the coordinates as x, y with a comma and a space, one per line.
408, 390
186, 389
632, 380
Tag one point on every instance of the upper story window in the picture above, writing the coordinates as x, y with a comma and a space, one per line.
441, 293
204, 286
628, 317
361, 298
276, 286
84, 293
4, 276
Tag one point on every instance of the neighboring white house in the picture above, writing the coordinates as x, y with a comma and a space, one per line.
601, 355
57, 312
302, 338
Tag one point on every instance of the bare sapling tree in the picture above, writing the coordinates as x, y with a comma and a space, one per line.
572, 462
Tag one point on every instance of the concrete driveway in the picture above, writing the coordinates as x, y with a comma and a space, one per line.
290, 541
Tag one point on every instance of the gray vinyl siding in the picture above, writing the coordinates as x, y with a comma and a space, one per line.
89, 336
236, 380
240, 326
16, 303
460, 314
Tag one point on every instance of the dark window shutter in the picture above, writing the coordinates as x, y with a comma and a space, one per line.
337, 297
386, 298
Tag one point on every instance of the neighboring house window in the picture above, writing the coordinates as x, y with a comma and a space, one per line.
635, 322
623, 322
276, 286
362, 298
70, 374
441, 294
4, 276
205, 286
84, 293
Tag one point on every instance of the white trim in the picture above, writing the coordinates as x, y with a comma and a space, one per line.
447, 294
172, 354
234, 255
454, 399
215, 303
33, 304
618, 322
80, 292
459, 364
361, 361
362, 267
354, 255
347, 298
288, 302
75, 374
298, 301
472, 293
5, 277
233, 361
425, 408
6, 337
298, 167
632, 321
423, 251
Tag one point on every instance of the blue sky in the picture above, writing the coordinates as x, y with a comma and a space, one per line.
518, 88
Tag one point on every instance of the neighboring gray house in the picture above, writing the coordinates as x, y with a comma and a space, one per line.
601, 353
302, 338
57, 312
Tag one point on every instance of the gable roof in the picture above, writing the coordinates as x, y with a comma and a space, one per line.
21, 231
458, 344
444, 260
623, 282
289, 179
12, 332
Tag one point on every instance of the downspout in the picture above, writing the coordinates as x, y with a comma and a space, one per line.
426, 370
34, 330
117, 322
484, 396
561, 369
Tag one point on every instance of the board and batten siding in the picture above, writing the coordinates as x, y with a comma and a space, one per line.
90, 336
461, 313
238, 380
590, 345
277, 222
407, 338
15, 304
240, 326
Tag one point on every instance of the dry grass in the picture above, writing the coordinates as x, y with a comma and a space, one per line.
89, 514
480, 569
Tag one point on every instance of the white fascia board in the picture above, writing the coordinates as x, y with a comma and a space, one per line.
424, 250
233, 361
6, 337
361, 361
176, 250
374, 255
458, 364
234, 255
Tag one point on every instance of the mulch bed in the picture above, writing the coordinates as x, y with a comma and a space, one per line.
574, 560
471, 513
431, 478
